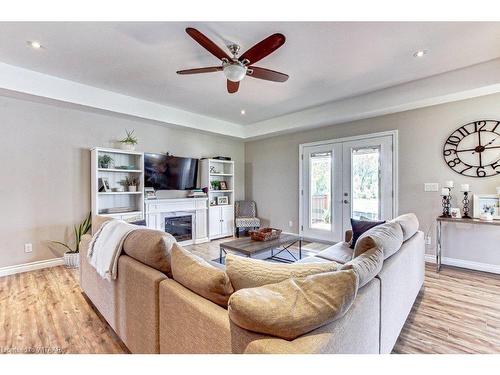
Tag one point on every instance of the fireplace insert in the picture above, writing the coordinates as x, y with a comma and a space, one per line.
181, 227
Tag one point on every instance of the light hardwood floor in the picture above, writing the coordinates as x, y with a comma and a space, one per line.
44, 311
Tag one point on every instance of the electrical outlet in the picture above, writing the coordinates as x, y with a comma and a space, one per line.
431, 186
28, 248
290, 223
428, 240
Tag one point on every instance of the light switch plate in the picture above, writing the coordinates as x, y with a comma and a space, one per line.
431, 186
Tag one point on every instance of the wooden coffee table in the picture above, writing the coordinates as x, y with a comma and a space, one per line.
248, 247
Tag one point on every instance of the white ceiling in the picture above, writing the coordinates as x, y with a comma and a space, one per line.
326, 61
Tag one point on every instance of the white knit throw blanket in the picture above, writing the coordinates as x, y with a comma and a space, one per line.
106, 246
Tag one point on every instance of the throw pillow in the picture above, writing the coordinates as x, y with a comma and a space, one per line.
409, 225
361, 226
151, 247
201, 277
366, 266
387, 237
251, 273
294, 307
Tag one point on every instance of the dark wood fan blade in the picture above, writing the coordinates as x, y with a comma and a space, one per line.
267, 74
232, 87
200, 70
207, 44
263, 48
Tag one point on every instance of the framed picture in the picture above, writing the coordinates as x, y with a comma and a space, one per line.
222, 200
223, 185
455, 213
487, 203
103, 185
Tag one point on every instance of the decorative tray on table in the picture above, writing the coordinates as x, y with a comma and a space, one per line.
265, 234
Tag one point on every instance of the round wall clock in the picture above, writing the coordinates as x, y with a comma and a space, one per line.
473, 149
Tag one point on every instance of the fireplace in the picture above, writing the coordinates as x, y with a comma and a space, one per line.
179, 225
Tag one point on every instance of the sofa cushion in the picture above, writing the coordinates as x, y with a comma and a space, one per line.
251, 273
199, 276
409, 225
366, 266
295, 306
387, 237
313, 259
340, 252
359, 227
151, 247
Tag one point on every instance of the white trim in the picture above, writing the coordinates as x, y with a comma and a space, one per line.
395, 165
465, 83
11, 270
469, 264
28, 83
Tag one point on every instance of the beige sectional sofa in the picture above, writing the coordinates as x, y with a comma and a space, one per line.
153, 313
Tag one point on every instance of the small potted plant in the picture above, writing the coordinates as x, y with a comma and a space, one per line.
105, 161
72, 256
131, 183
128, 143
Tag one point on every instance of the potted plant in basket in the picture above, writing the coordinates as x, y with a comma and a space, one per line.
72, 256
128, 143
131, 183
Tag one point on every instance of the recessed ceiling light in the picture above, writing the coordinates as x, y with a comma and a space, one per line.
420, 53
34, 44
243, 112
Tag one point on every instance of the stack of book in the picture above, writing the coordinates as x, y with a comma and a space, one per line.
197, 193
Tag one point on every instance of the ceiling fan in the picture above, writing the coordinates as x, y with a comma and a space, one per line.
236, 68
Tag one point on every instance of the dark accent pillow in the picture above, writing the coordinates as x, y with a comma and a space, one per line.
139, 222
361, 226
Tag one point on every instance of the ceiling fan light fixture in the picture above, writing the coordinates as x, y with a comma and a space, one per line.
234, 72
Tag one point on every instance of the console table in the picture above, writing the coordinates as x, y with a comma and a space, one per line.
440, 221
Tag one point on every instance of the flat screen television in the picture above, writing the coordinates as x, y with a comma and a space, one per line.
166, 172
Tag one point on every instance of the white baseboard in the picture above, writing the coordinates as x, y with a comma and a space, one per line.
11, 270
477, 266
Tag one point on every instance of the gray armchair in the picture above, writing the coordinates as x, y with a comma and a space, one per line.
245, 216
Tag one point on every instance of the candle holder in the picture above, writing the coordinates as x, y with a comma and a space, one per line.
448, 203
444, 203
466, 202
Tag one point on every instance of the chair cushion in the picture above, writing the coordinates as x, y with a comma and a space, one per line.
199, 276
151, 247
251, 273
387, 237
366, 266
409, 225
243, 222
295, 306
359, 227
340, 252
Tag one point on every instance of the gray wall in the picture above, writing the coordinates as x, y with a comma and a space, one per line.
45, 168
272, 164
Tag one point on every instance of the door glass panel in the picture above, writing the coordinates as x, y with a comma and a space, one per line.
365, 183
320, 191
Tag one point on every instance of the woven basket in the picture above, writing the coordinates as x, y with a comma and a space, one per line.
265, 234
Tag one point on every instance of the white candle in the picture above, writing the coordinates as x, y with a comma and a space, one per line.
445, 192
448, 184
464, 187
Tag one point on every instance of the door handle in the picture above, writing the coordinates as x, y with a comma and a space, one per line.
346, 201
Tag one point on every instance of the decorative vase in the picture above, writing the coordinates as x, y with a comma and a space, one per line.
132, 188
127, 146
72, 260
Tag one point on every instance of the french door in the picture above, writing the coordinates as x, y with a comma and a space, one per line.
344, 179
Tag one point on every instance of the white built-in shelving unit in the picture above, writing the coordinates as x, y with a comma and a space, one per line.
118, 202
220, 216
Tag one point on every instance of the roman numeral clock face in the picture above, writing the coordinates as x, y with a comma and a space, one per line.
474, 149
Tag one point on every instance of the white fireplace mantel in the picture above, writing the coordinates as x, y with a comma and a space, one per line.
155, 210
